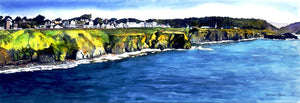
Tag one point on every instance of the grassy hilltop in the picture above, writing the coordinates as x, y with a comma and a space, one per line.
58, 45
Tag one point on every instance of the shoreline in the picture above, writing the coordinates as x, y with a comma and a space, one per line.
68, 64
74, 63
227, 41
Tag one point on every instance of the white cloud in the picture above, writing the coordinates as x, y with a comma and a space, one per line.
244, 10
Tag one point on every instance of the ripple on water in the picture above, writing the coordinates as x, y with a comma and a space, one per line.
252, 71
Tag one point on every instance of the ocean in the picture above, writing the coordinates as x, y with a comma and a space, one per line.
249, 71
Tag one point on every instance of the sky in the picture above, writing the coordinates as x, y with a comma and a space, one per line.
278, 12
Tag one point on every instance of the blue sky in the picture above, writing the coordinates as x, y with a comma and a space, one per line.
281, 11
16, 5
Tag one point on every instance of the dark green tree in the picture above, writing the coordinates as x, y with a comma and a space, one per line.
1, 17
112, 19
86, 16
18, 19
6, 17
39, 20
98, 21
1, 21
58, 19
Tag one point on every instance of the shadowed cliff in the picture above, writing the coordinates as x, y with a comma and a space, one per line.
207, 35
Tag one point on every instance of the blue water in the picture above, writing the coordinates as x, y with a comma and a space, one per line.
252, 71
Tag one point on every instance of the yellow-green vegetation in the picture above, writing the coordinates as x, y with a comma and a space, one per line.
63, 41
83, 43
4, 57
137, 39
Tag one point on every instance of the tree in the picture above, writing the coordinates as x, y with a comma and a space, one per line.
112, 19
86, 16
1, 21
134, 20
151, 20
47, 20
25, 25
39, 19
124, 20
4, 57
80, 23
194, 23
18, 19
58, 19
6, 17
24, 18
98, 21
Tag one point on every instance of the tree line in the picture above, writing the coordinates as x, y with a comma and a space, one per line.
221, 22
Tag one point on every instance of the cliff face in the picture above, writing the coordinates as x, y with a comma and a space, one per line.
58, 45
158, 40
207, 35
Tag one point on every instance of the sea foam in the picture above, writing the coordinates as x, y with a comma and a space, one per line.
72, 64
107, 57
226, 41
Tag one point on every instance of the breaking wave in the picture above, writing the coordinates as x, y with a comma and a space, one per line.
72, 64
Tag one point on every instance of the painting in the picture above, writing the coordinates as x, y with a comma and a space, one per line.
94, 51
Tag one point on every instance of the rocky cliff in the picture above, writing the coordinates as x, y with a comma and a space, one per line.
282, 36
46, 46
207, 35
58, 45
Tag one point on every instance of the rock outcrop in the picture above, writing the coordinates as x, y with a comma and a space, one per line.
290, 36
282, 36
207, 35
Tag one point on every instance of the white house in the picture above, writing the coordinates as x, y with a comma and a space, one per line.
65, 23
72, 24
103, 26
42, 26
57, 27
110, 26
151, 24
121, 25
98, 26
89, 25
135, 25
52, 25
15, 26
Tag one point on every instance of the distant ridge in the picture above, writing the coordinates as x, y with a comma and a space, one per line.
293, 28
219, 22
278, 25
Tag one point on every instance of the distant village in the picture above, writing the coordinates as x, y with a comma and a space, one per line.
84, 21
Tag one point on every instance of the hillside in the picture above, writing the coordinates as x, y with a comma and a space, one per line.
293, 28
